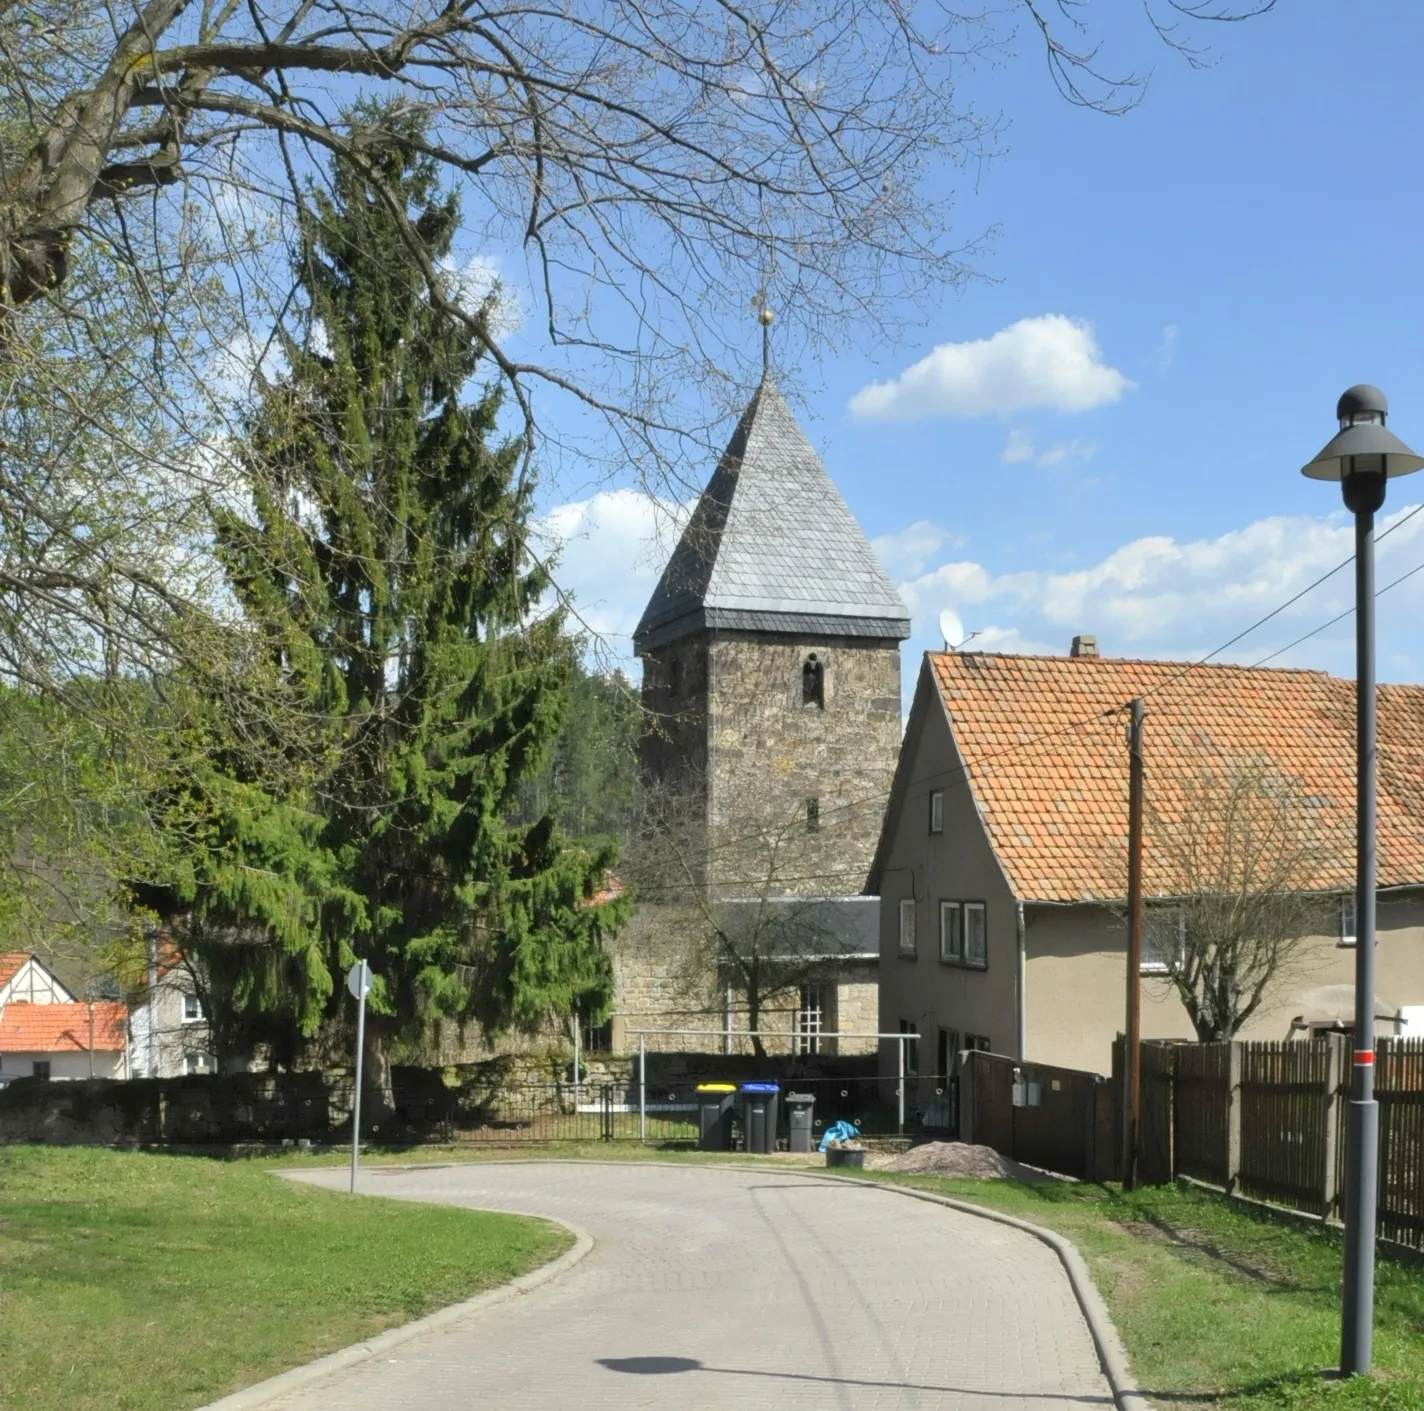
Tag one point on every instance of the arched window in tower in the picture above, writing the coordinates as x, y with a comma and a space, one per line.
674, 677
813, 683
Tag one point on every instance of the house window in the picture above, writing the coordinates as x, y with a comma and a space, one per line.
810, 1019
907, 926
976, 935
977, 1043
192, 1009
951, 932
813, 683
596, 1038
1164, 939
40, 1068
1347, 921
813, 815
963, 938
197, 1063
948, 1047
911, 1045
937, 811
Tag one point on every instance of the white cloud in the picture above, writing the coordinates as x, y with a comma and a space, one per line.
1049, 361
1166, 349
1159, 597
610, 551
908, 551
1020, 448
479, 280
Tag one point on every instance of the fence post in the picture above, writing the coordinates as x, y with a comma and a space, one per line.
1334, 1068
900, 1091
964, 1060
1233, 1116
642, 1087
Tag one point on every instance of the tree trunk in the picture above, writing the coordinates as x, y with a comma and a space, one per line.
378, 1099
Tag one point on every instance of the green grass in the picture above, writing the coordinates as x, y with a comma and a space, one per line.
163, 1282
1220, 1303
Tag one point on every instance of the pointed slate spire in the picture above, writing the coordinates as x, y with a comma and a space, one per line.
772, 547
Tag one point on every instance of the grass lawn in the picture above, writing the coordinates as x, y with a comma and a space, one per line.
159, 1282
1219, 1303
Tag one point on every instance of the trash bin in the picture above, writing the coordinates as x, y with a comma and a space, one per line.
798, 1121
714, 1116
759, 1103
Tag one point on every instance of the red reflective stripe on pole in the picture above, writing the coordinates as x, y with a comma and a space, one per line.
1363, 1057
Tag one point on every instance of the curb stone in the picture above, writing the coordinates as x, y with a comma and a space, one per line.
260, 1393
1112, 1356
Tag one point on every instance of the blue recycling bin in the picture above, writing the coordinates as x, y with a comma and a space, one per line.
759, 1114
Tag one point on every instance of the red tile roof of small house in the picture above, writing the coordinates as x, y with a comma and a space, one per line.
62, 1028
11, 965
1043, 742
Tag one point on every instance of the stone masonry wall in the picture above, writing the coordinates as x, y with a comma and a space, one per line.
769, 754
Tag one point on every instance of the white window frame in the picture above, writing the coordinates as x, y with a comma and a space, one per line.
198, 1063
907, 927
1150, 966
936, 811
197, 1016
810, 1018
951, 933
981, 960
1349, 934
909, 1042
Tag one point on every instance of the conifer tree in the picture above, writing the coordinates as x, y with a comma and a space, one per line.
385, 556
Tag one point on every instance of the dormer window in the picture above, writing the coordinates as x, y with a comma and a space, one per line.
813, 683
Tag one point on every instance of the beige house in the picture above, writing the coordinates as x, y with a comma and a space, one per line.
1003, 856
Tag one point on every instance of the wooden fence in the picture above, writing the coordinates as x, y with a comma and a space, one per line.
1267, 1120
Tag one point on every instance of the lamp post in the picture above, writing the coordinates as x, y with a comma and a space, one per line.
1362, 457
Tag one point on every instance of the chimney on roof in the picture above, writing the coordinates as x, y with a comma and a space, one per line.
1083, 646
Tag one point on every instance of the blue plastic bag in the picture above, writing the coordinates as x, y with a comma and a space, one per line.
839, 1132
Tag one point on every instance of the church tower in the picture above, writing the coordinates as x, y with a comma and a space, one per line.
771, 668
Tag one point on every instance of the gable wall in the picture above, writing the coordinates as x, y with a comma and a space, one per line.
957, 864
33, 984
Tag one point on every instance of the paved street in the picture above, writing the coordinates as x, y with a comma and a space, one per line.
733, 1289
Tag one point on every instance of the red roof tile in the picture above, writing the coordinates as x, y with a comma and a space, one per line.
1043, 739
10, 965
57, 1028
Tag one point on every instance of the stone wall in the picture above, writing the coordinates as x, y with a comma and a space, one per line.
770, 754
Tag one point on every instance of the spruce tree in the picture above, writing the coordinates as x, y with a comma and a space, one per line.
386, 558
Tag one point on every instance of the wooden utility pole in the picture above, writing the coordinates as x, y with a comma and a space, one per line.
1132, 1059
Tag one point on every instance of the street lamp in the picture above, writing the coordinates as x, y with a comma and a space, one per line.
1363, 457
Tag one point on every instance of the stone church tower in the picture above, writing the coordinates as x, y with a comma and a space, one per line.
771, 694
771, 664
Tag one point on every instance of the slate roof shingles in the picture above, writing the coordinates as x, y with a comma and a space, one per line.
772, 546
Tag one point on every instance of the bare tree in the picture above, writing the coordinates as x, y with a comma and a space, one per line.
1238, 854
738, 913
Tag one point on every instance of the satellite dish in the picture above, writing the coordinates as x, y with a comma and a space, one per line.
951, 629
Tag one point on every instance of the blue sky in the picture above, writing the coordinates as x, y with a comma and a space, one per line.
1223, 260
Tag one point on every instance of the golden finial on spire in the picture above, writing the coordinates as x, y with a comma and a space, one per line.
764, 317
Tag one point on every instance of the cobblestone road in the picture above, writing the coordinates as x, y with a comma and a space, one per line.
736, 1290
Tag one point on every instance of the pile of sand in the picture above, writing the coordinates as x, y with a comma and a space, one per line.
980, 1163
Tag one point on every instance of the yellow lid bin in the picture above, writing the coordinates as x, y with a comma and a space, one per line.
714, 1115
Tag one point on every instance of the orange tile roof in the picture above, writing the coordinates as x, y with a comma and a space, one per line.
10, 965
57, 1028
1044, 742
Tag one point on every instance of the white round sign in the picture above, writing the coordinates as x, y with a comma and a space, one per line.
358, 980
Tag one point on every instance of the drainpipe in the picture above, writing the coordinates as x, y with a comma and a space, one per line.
152, 1002
1021, 983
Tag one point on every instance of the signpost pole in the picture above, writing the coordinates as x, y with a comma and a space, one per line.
358, 982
